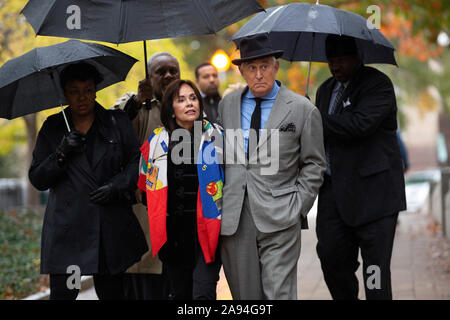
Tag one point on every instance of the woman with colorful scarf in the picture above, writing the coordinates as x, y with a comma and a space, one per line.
182, 180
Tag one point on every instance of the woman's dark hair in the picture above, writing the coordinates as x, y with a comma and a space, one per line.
171, 92
81, 71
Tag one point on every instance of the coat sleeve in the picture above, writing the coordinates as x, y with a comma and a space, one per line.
312, 161
374, 104
126, 180
45, 172
219, 118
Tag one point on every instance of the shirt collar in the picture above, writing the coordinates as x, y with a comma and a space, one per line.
270, 96
345, 84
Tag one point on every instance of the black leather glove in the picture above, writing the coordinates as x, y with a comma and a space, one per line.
104, 195
72, 142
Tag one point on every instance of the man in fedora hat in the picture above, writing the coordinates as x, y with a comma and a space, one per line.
262, 209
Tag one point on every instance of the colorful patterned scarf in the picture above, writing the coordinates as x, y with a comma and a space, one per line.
153, 180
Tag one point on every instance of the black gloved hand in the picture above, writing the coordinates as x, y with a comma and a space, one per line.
72, 142
104, 195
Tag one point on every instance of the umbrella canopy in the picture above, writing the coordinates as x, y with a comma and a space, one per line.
300, 29
30, 83
120, 21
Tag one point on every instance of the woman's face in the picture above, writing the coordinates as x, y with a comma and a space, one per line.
186, 107
81, 96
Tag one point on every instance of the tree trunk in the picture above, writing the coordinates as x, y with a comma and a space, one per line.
32, 199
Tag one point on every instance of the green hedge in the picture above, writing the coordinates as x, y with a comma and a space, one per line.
20, 236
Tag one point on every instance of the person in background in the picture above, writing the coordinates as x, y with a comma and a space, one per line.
364, 187
207, 79
181, 194
144, 280
91, 174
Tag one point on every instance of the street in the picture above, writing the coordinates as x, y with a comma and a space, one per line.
420, 264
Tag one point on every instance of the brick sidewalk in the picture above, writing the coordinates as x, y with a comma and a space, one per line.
420, 264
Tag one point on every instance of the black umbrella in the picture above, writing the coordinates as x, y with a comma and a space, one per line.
120, 21
300, 29
30, 83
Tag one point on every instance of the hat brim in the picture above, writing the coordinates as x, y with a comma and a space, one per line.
276, 53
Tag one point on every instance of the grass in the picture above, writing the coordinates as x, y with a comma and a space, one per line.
20, 235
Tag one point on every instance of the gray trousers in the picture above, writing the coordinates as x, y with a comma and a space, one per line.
260, 266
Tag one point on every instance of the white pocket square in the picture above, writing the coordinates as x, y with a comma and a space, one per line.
346, 103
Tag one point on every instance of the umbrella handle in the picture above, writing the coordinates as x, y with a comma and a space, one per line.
145, 59
65, 118
60, 103
147, 102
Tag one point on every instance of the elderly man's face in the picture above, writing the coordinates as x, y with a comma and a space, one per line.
163, 71
260, 75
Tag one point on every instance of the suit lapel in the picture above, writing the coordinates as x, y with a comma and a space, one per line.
236, 118
280, 110
325, 105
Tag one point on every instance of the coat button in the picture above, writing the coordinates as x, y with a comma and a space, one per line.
180, 192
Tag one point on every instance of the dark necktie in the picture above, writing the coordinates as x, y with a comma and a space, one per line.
332, 110
255, 122
337, 99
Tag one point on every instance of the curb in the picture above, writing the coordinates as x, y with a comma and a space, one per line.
87, 282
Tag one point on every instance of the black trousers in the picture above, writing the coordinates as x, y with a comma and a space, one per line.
107, 287
141, 286
193, 283
338, 246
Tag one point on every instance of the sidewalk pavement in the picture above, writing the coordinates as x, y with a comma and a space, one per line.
420, 267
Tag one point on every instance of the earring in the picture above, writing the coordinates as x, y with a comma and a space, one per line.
173, 116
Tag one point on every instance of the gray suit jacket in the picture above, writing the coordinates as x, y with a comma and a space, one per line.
283, 185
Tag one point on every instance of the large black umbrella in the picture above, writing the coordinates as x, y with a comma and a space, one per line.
120, 21
30, 83
300, 29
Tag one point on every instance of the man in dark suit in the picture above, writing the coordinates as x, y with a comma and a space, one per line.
363, 188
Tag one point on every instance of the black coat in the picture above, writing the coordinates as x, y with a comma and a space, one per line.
73, 225
210, 106
360, 138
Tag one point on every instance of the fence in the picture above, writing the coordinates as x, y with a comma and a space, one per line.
12, 193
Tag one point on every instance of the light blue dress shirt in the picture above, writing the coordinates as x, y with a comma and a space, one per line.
248, 105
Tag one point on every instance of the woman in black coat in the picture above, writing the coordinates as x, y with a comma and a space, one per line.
91, 172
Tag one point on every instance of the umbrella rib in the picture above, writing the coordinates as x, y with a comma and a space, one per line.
205, 15
45, 17
295, 47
